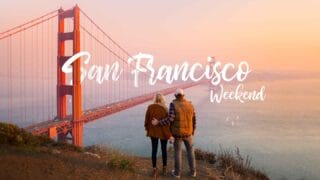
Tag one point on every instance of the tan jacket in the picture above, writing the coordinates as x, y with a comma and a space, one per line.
159, 112
183, 124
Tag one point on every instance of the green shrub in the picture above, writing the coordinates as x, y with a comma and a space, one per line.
13, 135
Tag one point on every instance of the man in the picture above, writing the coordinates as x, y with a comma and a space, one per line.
182, 122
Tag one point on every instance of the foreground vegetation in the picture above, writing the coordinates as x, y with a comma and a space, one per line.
24, 156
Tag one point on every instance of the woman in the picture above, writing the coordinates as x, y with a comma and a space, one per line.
158, 110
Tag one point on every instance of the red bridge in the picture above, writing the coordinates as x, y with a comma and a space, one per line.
40, 97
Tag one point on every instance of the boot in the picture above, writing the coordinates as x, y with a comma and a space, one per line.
155, 172
164, 170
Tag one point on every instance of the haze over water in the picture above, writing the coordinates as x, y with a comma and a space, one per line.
281, 134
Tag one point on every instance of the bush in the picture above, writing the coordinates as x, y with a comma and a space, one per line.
12, 135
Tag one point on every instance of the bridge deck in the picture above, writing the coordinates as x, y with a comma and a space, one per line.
96, 113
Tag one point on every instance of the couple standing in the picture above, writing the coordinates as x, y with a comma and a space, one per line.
176, 125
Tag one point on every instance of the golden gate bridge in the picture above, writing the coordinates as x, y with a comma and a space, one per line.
35, 92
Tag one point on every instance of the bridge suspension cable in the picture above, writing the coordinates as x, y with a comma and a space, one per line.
28, 24
101, 30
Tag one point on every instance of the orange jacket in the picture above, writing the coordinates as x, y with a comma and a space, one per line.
159, 112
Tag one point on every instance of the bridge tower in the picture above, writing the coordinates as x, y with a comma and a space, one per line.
62, 88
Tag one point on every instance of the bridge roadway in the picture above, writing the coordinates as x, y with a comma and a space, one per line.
65, 125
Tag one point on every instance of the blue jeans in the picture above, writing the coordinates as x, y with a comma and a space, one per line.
154, 142
188, 142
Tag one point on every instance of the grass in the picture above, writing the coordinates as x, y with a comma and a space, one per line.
233, 164
228, 164
205, 156
15, 136
114, 159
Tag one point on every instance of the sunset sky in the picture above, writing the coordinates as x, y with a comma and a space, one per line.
269, 34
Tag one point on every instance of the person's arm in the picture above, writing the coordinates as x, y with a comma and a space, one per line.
170, 118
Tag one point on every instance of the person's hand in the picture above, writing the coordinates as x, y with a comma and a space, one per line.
171, 140
155, 121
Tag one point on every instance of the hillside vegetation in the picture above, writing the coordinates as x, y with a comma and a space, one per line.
24, 156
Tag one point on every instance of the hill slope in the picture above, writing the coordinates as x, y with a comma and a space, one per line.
24, 156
